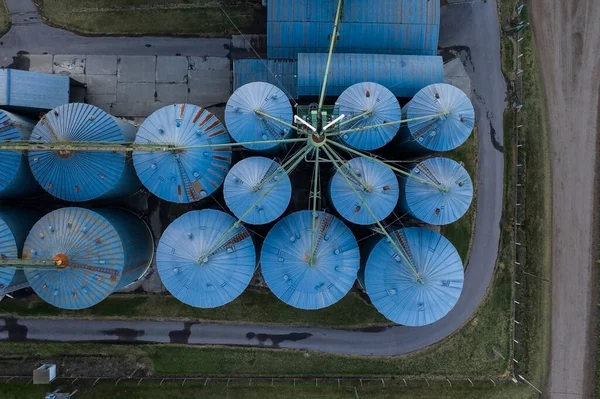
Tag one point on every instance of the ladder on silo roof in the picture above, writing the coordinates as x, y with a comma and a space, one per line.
230, 243
428, 127
187, 183
322, 229
404, 245
269, 173
427, 172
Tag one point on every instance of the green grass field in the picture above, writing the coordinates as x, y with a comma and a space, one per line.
4, 18
156, 17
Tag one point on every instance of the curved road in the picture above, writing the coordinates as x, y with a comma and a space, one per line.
472, 30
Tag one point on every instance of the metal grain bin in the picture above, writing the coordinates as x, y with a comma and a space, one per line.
418, 293
364, 184
257, 190
443, 197
204, 260
16, 179
450, 122
244, 122
76, 175
368, 104
97, 253
198, 165
306, 273
15, 224
32, 91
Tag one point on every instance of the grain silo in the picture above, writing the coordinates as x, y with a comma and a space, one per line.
367, 107
440, 118
361, 189
306, 269
94, 253
257, 190
197, 164
14, 227
418, 286
205, 259
74, 173
16, 179
27, 91
254, 113
440, 191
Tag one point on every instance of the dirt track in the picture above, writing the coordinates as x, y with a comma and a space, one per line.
567, 35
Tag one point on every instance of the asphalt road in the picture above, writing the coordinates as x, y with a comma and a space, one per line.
470, 29
567, 37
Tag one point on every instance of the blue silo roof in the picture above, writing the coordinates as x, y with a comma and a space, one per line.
200, 279
8, 249
404, 75
15, 176
285, 266
445, 132
432, 205
393, 287
241, 190
188, 175
384, 107
245, 125
281, 73
105, 250
82, 175
31, 91
381, 197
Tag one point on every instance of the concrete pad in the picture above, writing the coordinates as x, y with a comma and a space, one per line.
79, 78
69, 64
135, 109
136, 92
103, 101
456, 75
171, 69
136, 68
40, 62
101, 84
101, 65
171, 93
210, 63
209, 87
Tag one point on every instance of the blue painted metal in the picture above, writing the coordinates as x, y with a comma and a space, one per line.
281, 73
381, 197
404, 75
189, 175
427, 203
111, 239
30, 91
393, 27
248, 181
14, 227
285, 260
198, 278
83, 175
384, 107
442, 133
244, 125
16, 179
393, 287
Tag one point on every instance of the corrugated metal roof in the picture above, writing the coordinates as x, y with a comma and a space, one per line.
281, 73
253, 179
82, 175
431, 205
189, 175
393, 27
16, 179
393, 287
285, 260
404, 75
377, 187
14, 227
33, 90
104, 249
245, 125
200, 279
444, 132
368, 96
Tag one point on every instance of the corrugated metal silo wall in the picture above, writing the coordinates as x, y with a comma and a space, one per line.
23, 183
404, 75
129, 181
402, 203
281, 73
32, 90
137, 240
384, 27
405, 141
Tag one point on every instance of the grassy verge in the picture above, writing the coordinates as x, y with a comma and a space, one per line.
250, 307
4, 18
155, 17
533, 293
460, 233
